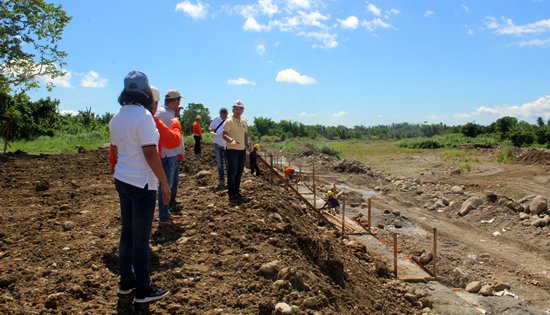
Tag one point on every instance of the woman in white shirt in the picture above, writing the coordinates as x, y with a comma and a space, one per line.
137, 174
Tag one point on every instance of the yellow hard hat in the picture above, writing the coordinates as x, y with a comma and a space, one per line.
329, 193
198, 117
257, 146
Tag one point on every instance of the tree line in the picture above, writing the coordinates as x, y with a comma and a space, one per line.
505, 129
24, 119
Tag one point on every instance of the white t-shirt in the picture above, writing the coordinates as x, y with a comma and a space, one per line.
218, 135
166, 115
132, 128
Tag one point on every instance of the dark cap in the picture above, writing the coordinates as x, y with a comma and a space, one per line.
136, 81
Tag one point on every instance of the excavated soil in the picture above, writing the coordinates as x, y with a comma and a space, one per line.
491, 244
61, 223
534, 157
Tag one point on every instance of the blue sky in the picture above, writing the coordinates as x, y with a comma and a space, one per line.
317, 61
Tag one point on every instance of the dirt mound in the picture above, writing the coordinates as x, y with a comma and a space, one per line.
350, 166
534, 157
58, 246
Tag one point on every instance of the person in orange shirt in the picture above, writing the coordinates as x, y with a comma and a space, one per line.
197, 134
170, 137
289, 173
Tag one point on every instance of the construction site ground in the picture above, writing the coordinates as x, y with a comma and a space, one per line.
60, 228
489, 244
269, 255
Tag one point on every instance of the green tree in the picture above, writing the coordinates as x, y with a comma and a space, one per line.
264, 126
503, 125
189, 114
30, 31
522, 134
540, 122
20, 118
471, 130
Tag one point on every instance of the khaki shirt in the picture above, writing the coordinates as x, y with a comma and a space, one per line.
235, 128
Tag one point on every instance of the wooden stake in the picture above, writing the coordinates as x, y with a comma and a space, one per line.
314, 188
343, 216
435, 251
300, 176
271, 172
395, 254
369, 217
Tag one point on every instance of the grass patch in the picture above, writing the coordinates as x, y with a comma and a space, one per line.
289, 146
448, 141
63, 142
506, 155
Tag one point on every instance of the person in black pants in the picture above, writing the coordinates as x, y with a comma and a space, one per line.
235, 132
197, 134
254, 160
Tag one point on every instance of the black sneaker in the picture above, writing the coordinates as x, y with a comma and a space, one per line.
150, 295
125, 288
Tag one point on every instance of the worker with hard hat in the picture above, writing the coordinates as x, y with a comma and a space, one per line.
332, 203
197, 134
235, 133
254, 168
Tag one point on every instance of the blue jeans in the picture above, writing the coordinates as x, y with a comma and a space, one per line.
137, 208
171, 170
235, 166
220, 160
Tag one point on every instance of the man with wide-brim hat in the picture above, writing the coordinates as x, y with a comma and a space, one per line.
170, 157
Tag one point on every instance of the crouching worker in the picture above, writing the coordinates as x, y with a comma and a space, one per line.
137, 174
332, 203
289, 173
254, 168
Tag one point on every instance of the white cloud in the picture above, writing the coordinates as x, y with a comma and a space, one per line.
375, 24
435, 117
93, 80
252, 25
70, 112
538, 108
462, 116
465, 8
313, 19
327, 40
305, 114
535, 43
351, 22
508, 27
195, 11
267, 7
339, 114
429, 13
306, 18
293, 4
374, 9
240, 81
292, 76
260, 49
63, 81
469, 30
392, 12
